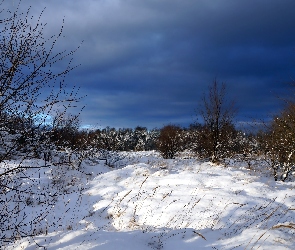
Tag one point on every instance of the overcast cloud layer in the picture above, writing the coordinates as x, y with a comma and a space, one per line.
149, 62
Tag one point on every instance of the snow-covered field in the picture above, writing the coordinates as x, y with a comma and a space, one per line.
151, 203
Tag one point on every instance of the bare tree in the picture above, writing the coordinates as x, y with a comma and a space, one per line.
28, 70
217, 113
32, 87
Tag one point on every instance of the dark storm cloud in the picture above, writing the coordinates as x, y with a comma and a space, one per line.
149, 62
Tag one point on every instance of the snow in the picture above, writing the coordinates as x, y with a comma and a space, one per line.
152, 203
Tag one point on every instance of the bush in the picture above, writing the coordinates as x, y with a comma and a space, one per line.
170, 141
279, 143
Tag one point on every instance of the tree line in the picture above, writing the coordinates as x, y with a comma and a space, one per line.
215, 138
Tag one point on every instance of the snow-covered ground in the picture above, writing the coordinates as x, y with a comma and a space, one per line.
151, 203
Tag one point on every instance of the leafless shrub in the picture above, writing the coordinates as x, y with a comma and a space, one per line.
170, 141
28, 66
277, 143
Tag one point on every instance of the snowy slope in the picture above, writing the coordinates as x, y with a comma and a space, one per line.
153, 203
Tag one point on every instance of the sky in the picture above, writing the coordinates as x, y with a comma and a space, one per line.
149, 62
